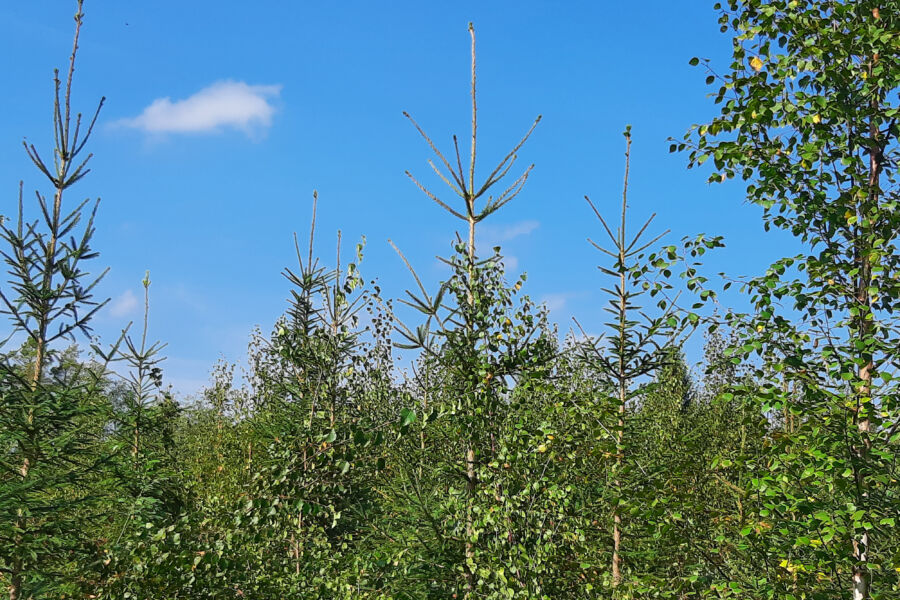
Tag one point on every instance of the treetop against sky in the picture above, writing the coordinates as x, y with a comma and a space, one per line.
219, 123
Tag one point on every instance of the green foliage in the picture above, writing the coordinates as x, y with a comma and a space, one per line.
808, 118
52, 407
505, 463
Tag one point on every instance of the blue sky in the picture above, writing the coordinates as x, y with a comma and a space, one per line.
223, 117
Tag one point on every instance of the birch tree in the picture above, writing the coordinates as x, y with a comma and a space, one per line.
809, 120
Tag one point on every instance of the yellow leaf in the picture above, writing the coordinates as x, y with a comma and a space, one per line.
542, 448
756, 63
816, 119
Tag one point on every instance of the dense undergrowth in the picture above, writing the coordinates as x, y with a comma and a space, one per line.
506, 462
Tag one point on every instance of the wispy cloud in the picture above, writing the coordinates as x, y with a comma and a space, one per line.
494, 235
510, 263
188, 298
222, 105
556, 302
123, 305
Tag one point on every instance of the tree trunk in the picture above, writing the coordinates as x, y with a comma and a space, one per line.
622, 379
470, 450
470, 520
861, 575
617, 517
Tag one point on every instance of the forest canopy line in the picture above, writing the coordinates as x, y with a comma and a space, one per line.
507, 463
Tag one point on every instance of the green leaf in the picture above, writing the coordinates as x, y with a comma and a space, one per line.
407, 417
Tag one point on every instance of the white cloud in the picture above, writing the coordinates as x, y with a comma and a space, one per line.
510, 263
494, 235
222, 105
123, 305
190, 298
557, 302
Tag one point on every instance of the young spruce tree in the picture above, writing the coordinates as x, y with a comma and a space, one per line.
639, 343
485, 342
48, 429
